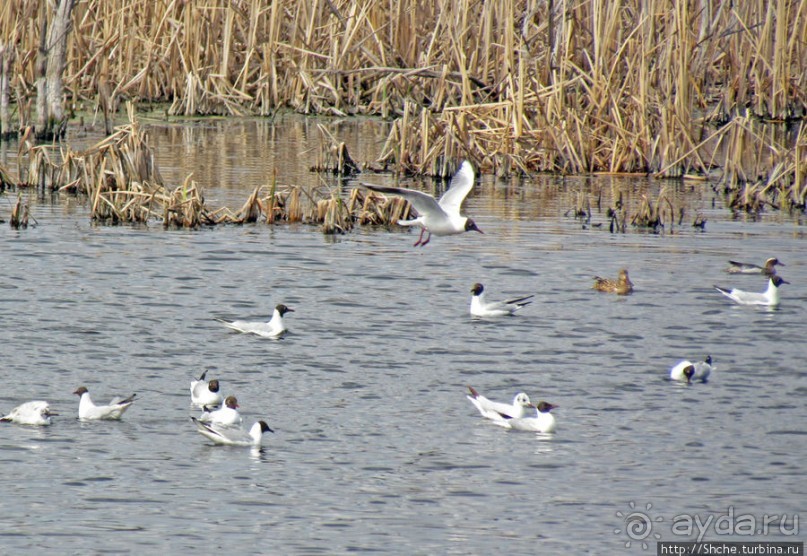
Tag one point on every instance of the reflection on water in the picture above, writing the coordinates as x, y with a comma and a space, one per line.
375, 446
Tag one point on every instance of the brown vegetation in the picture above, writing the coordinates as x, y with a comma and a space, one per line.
120, 178
668, 88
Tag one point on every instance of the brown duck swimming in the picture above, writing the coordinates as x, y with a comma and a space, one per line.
620, 286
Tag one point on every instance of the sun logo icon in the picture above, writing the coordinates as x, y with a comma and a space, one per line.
638, 525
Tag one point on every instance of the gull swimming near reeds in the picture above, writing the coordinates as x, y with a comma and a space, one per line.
543, 421
498, 410
226, 415
621, 286
769, 297
768, 269
231, 436
36, 412
275, 328
205, 393
442, 217
687, 371
88, 411
481, 308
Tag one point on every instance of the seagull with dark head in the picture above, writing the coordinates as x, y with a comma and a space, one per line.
441, 218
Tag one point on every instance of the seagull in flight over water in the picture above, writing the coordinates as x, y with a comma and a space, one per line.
441, 218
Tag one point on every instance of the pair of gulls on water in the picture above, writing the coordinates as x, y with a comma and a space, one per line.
515, 415
38, 412
224, 425
770, 297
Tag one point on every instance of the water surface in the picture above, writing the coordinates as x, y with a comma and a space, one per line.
376, 448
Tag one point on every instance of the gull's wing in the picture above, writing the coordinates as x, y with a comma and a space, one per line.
223, 434
738, 267
461, 185
520, 300
423, 202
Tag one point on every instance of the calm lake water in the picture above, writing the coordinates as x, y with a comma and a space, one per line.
376, 448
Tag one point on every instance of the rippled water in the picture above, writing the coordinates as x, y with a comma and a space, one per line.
376, 448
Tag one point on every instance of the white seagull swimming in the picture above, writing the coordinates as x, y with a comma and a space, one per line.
769, 297
30, 413
441, 218
687, 371
275, 328
769, 268
499, 410
230, 436
88, 411
481, 308
543, 421
205, 393
227, 415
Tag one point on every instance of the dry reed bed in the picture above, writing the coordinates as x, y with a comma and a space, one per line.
515, 85
120, 178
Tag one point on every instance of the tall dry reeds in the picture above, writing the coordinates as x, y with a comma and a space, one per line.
514, 85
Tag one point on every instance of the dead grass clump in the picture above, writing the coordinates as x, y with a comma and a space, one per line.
334, 156
19, 214
334, 215
183, 207
375, 209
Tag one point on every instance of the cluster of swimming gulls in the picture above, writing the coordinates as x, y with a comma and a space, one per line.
515, 415
223, 425
439, 217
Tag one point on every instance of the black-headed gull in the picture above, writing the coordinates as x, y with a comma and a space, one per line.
227, 415
769, 268
275, 328
205, 393
687, 371
441, 218
498, 410
481, 308
231, 436
620, 286
88, 411
769, 297
30, 413
543, 421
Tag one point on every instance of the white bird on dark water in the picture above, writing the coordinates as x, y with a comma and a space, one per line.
30, 413
227, 415
498, 410
543, 421
205, 393
687, 371
769, 297
482, 308
442, 217
233, 436
275, 328
88, 411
